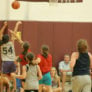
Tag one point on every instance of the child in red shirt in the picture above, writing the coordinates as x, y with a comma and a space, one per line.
45, 63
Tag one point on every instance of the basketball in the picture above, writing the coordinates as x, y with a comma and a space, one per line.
15, 5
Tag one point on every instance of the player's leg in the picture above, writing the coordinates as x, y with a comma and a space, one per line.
47, 82
40, 87
7, 82
13, 69
63, 80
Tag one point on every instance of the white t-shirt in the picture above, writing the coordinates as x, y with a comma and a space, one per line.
8, 52
31, 78
64, 66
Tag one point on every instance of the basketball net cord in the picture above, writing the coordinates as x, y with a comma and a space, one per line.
54, 2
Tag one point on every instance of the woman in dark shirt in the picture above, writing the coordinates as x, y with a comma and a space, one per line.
81, 63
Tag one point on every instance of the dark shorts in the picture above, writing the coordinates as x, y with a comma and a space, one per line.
23, 80
8, 67
31, 90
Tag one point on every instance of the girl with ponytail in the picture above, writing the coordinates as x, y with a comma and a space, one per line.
45, 63
22, 58
32, 73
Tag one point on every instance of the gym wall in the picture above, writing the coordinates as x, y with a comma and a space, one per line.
60, 36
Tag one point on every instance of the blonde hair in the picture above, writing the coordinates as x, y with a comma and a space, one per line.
56, 75
82, 46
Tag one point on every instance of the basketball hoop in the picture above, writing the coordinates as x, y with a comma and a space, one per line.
53, 2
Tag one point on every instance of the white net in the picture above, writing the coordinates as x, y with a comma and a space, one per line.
53, 2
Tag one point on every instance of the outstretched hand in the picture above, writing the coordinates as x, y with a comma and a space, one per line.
5, 23
19, 23
3, 29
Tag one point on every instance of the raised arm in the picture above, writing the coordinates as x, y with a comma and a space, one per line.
15, 30
17, 26
3, 29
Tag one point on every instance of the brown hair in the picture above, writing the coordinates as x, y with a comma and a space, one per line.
45, 50
56, 77
30, 57
66, 55
82, 46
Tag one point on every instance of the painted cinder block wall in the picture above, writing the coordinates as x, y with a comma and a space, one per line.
61, 37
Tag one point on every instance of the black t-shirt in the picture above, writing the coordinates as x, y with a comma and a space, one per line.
82, 65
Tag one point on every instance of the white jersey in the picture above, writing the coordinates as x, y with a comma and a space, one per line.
31, 78
8, 52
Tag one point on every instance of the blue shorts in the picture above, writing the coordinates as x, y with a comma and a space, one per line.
8, 67
46, 79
